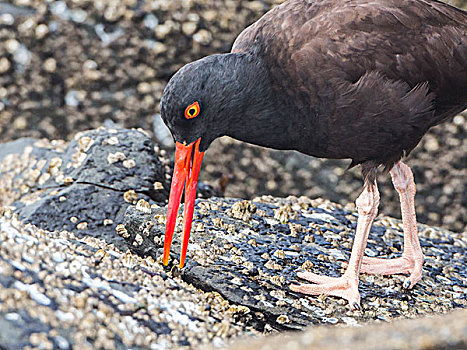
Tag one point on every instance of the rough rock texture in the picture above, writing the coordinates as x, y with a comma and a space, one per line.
84, 185
60, 291
70, 290
249, 252
434, 333
67, 290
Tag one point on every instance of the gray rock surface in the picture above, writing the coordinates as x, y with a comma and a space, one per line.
84, 185
249, 251
69, 290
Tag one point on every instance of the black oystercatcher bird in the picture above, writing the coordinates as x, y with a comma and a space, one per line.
356, 79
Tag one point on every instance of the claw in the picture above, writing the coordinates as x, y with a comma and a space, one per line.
407, 284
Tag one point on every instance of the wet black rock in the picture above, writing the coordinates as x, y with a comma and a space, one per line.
84, 185
249, 253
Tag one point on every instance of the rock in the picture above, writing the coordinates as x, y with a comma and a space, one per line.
70, 290
16, 11
437, 333
162, 133
251, 259
84, 185
60, 291
4, 65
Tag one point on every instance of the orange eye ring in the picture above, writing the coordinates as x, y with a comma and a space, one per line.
192, 111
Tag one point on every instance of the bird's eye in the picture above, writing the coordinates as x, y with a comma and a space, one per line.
192, 111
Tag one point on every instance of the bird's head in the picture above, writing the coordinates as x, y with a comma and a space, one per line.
190, 107
205, 99
195, 101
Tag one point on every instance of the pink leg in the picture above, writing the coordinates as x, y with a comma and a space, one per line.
411, 260
346, 286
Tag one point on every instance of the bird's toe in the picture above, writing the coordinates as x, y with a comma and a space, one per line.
342, 287
315, 278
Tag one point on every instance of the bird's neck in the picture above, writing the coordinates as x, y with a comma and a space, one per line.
255, 114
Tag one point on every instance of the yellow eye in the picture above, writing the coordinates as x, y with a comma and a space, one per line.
192, 111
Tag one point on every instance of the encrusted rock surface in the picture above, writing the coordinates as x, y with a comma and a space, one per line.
249, 252
68, 290
84, 185
62, 291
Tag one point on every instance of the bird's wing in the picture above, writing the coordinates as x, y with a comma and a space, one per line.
369, 72
306, 43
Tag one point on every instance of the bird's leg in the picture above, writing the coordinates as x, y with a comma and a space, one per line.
346, 286
411, 260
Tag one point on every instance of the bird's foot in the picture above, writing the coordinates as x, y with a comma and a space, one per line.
345, 287
403, 265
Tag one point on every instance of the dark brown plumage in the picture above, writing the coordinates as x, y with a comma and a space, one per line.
356, 79
374, 75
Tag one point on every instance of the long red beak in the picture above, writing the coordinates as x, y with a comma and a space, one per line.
188, 161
